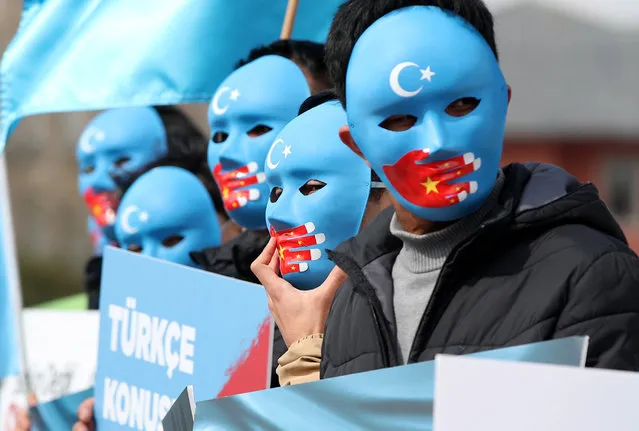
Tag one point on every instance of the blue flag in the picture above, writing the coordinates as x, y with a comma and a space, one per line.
164, 326
79, 55
59, 414
10, 298
391, 398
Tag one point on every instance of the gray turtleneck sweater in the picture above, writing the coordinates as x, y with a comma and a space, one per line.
419, 262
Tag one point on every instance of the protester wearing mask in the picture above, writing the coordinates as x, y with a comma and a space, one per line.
247, 111
114, 145
166, 212
321, 195
471, 257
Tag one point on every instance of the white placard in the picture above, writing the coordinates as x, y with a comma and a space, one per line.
488, 395
61, 350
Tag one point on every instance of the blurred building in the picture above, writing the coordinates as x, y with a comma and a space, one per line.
575, 101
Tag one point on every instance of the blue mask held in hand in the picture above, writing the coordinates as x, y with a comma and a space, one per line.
429, 115
166, 214
248, 110
115, 143
320, 189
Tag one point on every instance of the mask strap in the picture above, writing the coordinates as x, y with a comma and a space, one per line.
377, 185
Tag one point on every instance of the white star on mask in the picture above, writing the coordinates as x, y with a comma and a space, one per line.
234, 95
287, 151
427, 74
144, 217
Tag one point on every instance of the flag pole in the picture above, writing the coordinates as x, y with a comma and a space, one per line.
289, 19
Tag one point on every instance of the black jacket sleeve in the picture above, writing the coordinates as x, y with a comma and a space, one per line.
92, 278
603, 303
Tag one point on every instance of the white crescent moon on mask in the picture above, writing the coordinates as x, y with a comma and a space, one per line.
394, 80
268, 156
92, 133
126, 225
215, 103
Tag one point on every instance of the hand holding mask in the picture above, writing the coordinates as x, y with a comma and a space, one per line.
319, 193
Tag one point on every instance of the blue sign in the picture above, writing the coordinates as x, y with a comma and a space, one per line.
58, 414
164, 326
79, 55
9, 286
391, 398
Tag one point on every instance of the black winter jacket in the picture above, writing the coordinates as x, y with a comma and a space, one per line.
234, 259
549, 262
92, 278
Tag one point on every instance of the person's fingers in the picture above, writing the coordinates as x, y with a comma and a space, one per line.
270, 280
270, 304
85, 411
275, 285
333, 282
261, 266
79, 426
32, 400
265, 256
274, 264
22, 419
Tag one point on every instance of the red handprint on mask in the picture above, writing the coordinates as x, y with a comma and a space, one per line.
427, 184
289, 241
102, 206
231, 184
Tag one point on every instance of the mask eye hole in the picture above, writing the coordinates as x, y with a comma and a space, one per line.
398, 123
275, 194
88, 169
120, 162
219, 137
311, 187
172, 241
135, 248
259, 130
462, 107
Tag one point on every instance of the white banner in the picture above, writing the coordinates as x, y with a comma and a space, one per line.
61, 355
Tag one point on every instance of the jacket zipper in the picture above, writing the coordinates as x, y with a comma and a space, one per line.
426, 324
389, 356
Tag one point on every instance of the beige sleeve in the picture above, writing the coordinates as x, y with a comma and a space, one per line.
301, 362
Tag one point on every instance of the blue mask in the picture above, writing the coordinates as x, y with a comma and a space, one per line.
166, 214
248, 110
305, 216
435, 68
115, 143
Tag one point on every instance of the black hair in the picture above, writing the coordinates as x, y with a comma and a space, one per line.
195, 165
316, 100
183, 137
309, 56
327, 96
354, 16
187, 149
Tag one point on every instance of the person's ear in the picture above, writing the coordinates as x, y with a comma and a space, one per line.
347, 138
